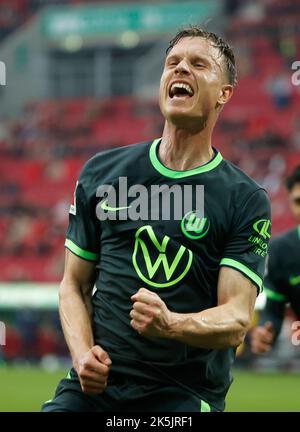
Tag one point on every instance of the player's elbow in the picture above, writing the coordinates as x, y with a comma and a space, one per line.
67, 289
242, 325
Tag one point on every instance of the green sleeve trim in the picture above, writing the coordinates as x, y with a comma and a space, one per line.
273, 295
204, 407
80, 252
242, 268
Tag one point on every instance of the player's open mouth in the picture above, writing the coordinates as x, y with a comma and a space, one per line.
180, 90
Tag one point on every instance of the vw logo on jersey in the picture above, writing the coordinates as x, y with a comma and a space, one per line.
194, 227
160, 263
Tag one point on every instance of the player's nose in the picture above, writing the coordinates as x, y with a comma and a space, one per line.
182, 67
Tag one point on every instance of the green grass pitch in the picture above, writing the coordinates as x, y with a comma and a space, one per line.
25, 389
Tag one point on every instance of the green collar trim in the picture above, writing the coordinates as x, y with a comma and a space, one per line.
167, 172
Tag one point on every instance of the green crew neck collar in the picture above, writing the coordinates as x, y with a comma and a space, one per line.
167, 172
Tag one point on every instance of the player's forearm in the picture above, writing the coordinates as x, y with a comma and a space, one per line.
75, 314
215, 328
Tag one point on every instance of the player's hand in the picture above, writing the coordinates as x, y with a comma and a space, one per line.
150, 315
93, 369
262, 338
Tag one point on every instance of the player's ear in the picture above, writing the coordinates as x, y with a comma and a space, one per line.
225, 94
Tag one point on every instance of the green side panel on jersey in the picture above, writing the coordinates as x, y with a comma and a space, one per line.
80, 252
167, 172
299, 231
273, 295
242, 268
204, 407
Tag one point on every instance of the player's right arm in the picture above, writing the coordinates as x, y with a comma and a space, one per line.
91, 362
82, 254
265, 334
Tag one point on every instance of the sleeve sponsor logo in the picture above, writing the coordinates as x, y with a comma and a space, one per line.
263, 228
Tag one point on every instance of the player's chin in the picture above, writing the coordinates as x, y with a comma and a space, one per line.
180, 117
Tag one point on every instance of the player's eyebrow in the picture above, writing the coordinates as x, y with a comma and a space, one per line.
210, 59
194, 56
201, 57
172, 58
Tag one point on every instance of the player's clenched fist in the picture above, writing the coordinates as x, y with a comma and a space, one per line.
93, 369
262, 338
150, 315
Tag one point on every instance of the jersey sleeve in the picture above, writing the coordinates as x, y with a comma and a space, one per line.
83, 233
247, 246
274, 288
274, 285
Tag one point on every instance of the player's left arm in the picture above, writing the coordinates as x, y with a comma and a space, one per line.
220, 327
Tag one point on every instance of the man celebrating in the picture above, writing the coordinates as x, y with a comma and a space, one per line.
174, 297
282, 284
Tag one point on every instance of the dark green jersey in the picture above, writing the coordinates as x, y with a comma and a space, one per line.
282, 282
178, 259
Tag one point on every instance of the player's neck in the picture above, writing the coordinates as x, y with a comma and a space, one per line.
181, 150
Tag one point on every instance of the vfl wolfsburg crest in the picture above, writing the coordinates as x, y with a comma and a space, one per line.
159, 263
194, 227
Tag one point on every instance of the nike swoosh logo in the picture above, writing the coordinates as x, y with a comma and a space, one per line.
104, 206
294, 280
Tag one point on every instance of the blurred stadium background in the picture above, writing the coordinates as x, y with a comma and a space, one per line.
81, 77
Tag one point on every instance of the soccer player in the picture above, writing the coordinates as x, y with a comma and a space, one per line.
282, 283
174, 297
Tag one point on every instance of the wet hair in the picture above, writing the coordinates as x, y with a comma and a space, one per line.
216, 41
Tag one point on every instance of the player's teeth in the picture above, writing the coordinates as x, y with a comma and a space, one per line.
182, 85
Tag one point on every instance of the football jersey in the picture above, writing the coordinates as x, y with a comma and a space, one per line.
282, 279
177, 257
